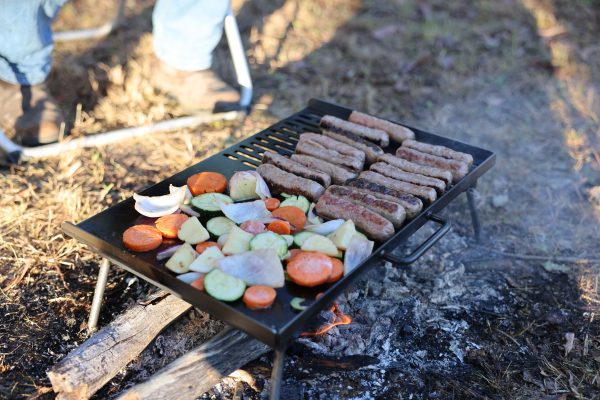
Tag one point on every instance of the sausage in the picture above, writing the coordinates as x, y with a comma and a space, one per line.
411, 204
397, 133
408, 166
396, 173
307, 146
440, 151
389, 210
373, 225
338, 174
284, 182
337, 125
424, 193
371, 150
336, 145
457, 168
293, 167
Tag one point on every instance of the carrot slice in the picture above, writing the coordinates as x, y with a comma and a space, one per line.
292, 214
272, 203
200, 247
207, 182
309, 269
337, 270
169, 224
199, 283
294, 253
259, 297
280, 227
142, 238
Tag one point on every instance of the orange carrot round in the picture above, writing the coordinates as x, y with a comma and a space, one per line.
169, 224
200, 247
259, 297
199, 283
294, 253
292, 214
337, 270
280, 227
309, 269
272, 203
207, 182
142, 238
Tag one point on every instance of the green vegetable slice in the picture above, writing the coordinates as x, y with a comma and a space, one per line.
296, 303
222, 286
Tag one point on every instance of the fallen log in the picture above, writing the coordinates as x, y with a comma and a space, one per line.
91, 365
200, 369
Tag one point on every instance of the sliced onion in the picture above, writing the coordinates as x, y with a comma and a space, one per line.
326, 227
188, 210
312, 217
262, 190
190, 277
357, 251
157, 206
168, 252
242, 212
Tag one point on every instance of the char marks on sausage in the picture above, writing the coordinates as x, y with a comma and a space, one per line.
424, 193
396, 173
331, 123
283, 182
457, 168
336, 145
293, 167
312, 148
411, 204
440, 151
338, 174
397, 133
415, 168
371, 150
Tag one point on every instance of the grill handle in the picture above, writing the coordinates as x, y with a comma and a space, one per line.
444, 228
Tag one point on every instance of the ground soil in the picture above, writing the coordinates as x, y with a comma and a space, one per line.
521, 78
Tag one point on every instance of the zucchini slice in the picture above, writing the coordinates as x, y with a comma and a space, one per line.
222, 286
218, 226
210, 202
299, 238
298, 201
270, 240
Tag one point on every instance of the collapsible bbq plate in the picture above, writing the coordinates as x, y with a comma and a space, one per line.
277, 325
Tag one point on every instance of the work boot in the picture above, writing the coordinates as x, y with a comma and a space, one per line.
195, 90
31, 112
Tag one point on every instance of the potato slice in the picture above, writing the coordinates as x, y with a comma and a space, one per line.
205, 262
320, 244
180, 261
238, 241
342, 235
192, 231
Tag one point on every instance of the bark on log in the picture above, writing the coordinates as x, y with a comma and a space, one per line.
199, 370
87, 368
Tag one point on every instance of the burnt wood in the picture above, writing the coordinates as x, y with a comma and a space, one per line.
277, 325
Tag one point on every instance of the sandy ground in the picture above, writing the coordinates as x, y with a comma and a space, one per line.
520, 78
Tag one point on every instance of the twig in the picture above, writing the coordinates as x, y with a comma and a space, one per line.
532, 257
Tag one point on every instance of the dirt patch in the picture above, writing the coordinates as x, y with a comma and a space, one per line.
469, 320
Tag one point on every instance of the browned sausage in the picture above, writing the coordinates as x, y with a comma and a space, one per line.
411, 204
307, 146
371, 150
331, 123
283, 182
396, 173
408, 166
397, 133
440, 151
424, 193
457, 168
336, 145
293, 167
338, 174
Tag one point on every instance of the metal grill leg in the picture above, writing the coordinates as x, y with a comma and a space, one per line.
277, 374
98, 295
474, 213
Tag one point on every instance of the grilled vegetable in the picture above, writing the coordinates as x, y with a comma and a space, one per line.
272, 203
209, 203
281, 227
358, 250
205, 262
158, 206
207, 182
222, 239
298, 201
242, 212
337, 270
259, 297
190, 277
293, 215
223, 287
326, 227
297, 305
238, 241
181, 260
342, 235
142, 238
192, 231
218, 226
309, 269
169, 225
270, 240
200, 247
320, 244
300, 238
289, 239
256, 267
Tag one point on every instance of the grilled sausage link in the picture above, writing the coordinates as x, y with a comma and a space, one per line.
424, 193
389, 210
338, 174
408, 166
337, 125
411, 204
373, 225
371, 150
283, 182
440, 151
293, 167
307, 146
397, 133
336, 145
457, 168
396, 173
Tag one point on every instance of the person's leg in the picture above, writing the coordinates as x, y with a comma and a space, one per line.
25, 59
185, 34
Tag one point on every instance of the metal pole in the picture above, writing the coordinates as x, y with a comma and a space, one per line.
277, 374
474, 213
98, 295
238, 55
93, 33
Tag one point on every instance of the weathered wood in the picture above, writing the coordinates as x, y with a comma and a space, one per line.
200, 369
87, 368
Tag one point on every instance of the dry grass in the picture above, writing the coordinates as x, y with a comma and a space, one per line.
520, 78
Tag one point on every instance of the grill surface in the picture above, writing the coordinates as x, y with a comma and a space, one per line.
275, 326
